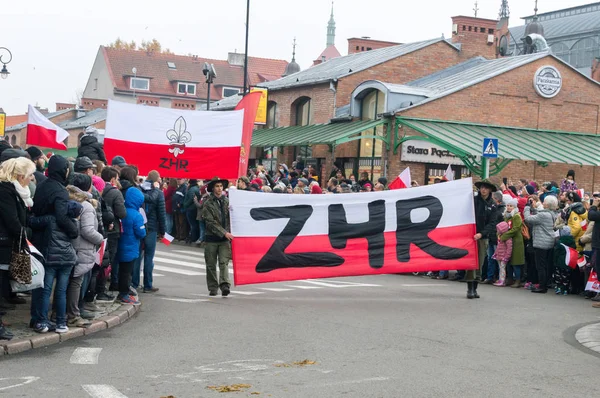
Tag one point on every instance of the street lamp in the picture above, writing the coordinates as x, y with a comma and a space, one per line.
210, 74
4, 72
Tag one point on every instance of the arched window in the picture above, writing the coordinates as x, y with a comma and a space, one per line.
561, 50
303, 117
13, 140
372, 104
272, 115
584, 52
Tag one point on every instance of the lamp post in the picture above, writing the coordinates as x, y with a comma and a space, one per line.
134, 71
4, 72
246, 50
210, 74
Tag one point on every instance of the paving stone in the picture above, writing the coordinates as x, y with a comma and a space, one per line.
72, 333
96, 326
123, 315
111, 320
44, 339
17, 346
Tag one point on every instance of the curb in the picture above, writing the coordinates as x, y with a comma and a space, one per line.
589, 337
115, 318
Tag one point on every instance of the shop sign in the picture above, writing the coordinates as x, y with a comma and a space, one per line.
426, 152
547, 81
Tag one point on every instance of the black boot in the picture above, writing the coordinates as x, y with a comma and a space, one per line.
470, 290
475, 289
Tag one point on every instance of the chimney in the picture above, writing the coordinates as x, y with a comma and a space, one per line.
235, 59
365, 43
477, 36
60, 106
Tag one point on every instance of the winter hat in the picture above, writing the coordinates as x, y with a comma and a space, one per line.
258, 182
512, 202
74, 209
98, 183
83, 163
303, 180
530, 189
502, 227
82, 181
118, 161
12, 153
34, 152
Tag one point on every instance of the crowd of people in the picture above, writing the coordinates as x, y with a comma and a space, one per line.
95, 224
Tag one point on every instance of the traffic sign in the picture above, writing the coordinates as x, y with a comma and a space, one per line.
490, 148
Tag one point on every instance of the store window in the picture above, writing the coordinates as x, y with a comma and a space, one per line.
271, 115
584, 52
371, 149
303, 112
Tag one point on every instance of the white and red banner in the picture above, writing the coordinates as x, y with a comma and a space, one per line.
42, 132
250, 106
291, 237
592, 283
176, 143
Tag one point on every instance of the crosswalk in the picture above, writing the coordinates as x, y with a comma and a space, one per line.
189, 262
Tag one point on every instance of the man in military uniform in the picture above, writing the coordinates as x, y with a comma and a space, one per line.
215, 213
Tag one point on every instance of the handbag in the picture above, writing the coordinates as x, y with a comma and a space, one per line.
20, 262
525, 231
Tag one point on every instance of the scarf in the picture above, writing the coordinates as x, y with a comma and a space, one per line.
24, 193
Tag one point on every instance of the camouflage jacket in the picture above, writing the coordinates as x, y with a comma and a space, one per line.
215, 213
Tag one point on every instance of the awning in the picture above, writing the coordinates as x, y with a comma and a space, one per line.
330, 133
466, 139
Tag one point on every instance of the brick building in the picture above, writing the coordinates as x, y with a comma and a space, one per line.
430, 104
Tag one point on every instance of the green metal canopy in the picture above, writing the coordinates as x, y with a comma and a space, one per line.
330, 133
465, 140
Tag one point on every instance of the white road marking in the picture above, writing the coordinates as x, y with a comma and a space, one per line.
102, 391
245, 293
198, 258
422, 285
178, 271
357, 284
194, 253
336, 285
304, 287
178, 262
183, 300
85, 356
275, 289
26, 380
153, 274
360, 381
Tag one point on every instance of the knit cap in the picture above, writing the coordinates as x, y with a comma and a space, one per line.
98, 183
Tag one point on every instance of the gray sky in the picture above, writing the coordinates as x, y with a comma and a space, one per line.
54, 43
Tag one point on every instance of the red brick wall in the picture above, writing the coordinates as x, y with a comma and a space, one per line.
90, 103
473, 34
321, 107
61, 106
400, 70
357, 45
149, 101
183, 104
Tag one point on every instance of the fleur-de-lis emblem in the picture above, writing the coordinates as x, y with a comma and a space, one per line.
178, 136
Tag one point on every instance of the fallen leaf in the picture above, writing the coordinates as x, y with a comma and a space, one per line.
306, 362
231, 388
255, 393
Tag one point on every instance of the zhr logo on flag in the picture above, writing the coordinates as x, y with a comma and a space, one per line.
318, 236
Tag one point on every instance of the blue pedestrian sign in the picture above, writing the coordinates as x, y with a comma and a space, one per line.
490, 148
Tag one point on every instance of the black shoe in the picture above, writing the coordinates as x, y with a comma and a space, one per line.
16, 300
212, 293
470, 293
113, 287
539, 290
5, 305
475, 295
225, 291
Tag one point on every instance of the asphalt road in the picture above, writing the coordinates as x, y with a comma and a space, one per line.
381, 336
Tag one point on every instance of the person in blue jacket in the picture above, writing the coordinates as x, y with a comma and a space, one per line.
129, 244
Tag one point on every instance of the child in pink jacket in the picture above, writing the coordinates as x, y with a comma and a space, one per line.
503, 252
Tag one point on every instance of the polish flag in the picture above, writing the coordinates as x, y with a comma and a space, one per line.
100, 252
177, 143
402, 181
250, 105
167, 239
571, 256
42, 132
449, 174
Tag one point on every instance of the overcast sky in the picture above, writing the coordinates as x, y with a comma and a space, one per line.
54, 43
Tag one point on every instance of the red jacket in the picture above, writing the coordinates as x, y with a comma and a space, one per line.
169, 199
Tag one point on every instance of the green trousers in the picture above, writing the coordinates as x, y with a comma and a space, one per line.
473, 275
217, 252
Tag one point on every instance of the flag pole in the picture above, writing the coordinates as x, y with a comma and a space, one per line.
246, 50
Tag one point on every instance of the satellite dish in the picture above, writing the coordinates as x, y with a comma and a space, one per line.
503, 46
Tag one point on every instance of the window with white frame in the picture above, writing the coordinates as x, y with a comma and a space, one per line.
186, 88
229, 91
139, 83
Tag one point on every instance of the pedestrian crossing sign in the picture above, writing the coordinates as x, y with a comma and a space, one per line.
490, 147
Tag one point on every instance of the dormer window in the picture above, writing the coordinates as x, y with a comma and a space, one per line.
186, 88
139, 83
229, 91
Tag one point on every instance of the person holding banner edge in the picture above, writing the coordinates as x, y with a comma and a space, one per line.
485, 222
218, 237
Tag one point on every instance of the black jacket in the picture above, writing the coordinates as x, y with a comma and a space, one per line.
91, 148
154, 206
39, 177
54, 244
485, 216
594, 215
51, 199
113, 198
497, 217
13, 217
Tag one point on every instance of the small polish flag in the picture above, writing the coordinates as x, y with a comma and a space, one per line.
100, 252
167, 239
402, 181
581, 193
42, 132
582, 261
571, 256
449, 174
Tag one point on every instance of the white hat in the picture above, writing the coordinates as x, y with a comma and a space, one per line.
506, 198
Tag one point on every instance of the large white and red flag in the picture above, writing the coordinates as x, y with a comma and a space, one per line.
42, 132
176, 143
449, 174
250, 105
402, 181
292, 237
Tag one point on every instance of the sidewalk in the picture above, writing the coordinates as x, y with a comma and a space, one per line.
17, 321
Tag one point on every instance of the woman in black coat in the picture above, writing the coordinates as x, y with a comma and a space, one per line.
15, 197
